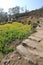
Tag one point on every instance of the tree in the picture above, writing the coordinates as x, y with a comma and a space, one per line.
10, 11
3, 15
22, 9
14, 10
26, 10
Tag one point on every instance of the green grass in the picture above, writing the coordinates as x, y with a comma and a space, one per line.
1, 55
10, 32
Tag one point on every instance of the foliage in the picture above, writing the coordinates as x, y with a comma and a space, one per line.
29, 22
1, 55
3, 16
10, 32
34, 25
14, 10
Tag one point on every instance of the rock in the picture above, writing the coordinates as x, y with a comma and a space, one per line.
38, 35
22, 50
19, 57
35, 38
33, 63
6, 62
12, 56
30, 43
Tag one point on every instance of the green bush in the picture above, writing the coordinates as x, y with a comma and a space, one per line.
29, 22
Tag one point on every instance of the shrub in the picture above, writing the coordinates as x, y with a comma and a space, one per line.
29, 22
34, 25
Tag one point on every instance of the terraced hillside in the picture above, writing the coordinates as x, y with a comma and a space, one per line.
29, 52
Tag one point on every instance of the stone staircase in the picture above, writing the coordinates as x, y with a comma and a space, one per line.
32, 48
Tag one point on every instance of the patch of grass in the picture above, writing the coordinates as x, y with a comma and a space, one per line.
1, 55
10, 32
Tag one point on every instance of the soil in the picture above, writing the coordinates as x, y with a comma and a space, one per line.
14, 59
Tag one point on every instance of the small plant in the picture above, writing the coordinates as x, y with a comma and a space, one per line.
9, 49
34, 25
29, 22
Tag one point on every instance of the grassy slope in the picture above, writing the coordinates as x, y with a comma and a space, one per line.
10, 32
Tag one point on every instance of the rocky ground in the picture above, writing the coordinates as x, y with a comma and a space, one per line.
32, 48
14, 59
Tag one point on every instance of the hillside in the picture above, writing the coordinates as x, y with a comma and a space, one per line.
33, 15
37, 13
22, 44
27, 52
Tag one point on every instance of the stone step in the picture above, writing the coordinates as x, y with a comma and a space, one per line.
30, 43
26, 51
38, 35
22, 50
31, 55
35, 38
28, 54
